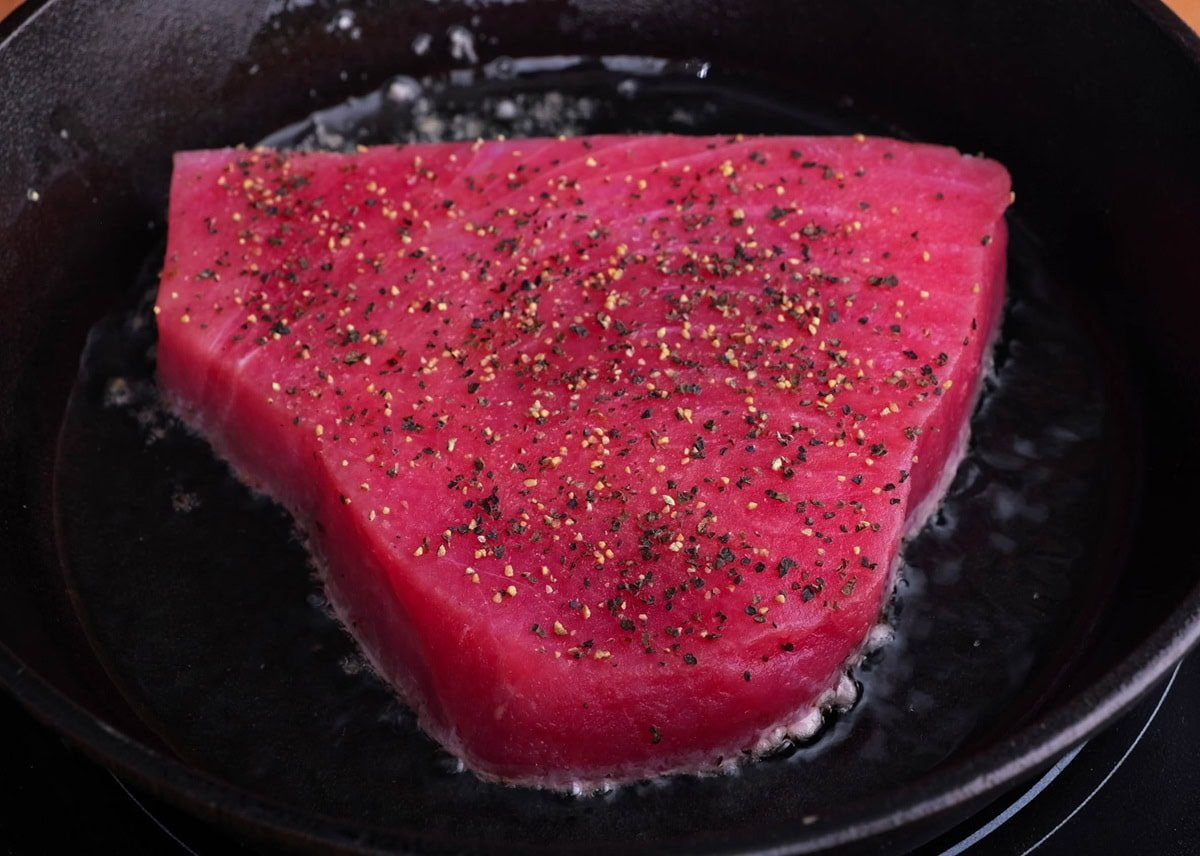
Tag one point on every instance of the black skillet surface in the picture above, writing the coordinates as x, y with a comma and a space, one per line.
230, 709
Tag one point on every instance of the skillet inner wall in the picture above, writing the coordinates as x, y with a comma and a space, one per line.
1081, 147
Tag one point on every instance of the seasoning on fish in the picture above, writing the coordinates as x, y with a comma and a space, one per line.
607, 445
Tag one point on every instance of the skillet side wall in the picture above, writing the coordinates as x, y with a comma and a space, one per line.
1101, 132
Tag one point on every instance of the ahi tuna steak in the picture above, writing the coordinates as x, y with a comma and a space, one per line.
606, 445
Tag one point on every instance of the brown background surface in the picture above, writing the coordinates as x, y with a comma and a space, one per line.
1189, 10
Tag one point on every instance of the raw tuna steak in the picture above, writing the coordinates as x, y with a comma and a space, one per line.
606, 445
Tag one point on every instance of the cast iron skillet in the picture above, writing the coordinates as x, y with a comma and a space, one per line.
1094, 106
